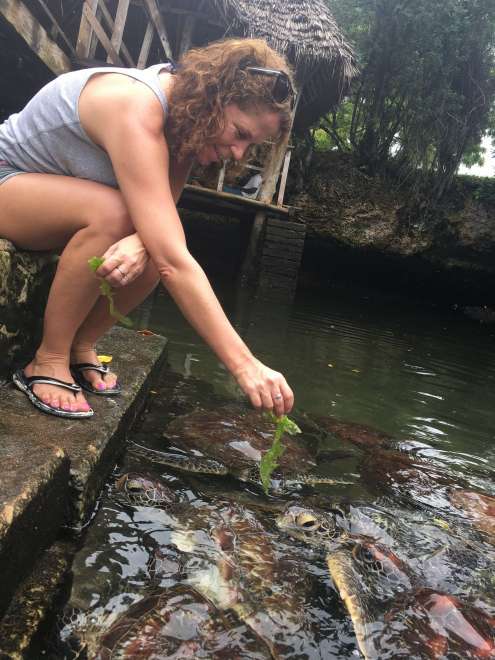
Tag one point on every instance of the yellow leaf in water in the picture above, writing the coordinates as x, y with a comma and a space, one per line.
441, 523
356, 371
329, 365
105, 359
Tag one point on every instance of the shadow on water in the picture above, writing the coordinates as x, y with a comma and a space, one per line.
208, 572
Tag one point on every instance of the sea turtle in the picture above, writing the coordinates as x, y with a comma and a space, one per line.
177, 623
231, 440
393, 613
395, 468
230, 558
137, 488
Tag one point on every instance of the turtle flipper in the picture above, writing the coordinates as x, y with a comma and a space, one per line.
186, 463
312, 479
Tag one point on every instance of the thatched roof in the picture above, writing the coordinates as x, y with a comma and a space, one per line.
306, 32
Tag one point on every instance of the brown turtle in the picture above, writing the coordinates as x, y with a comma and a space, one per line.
393, 614
177, 623
231, 440
235, 563
388, 466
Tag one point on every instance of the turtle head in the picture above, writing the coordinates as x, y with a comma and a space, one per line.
139, 489
384, 573
311, 525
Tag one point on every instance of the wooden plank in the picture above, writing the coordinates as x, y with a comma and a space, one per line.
157, 19
56, 29
37, 38
119, 24
238, 200
110, 23
283, 178
100, 33
221, 176
145, 46
83, 44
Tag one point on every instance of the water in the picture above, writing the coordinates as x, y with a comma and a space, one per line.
420, 374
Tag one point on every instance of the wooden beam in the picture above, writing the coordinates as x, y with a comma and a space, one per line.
145, 46
119, 24
83, 44
274, 163
34, 34
283, 178
221, 176
100, 33
110, 23
156, 17
56, 29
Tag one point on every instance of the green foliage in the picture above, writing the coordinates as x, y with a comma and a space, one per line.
106, 290
269, 460
425, 94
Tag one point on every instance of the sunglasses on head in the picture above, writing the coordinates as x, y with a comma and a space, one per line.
282, 89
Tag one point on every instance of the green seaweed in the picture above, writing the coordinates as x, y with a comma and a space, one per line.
269, 460
107, 291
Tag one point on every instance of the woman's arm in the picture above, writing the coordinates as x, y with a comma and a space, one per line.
130, 129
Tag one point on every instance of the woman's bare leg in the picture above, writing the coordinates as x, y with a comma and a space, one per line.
99, 321
42, 212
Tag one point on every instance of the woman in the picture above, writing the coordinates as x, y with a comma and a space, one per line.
104, 155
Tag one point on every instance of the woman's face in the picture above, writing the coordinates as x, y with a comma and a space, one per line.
242, 128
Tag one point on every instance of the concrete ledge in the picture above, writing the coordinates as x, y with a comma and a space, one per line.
53, 469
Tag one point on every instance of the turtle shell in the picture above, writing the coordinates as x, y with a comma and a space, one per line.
237, 438
178, 623
431, 624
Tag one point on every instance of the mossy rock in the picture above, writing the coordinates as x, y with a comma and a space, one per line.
25, 279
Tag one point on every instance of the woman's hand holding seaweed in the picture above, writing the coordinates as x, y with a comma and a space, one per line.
124, 261
265, 387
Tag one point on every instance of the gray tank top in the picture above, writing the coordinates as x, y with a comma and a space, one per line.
47, 136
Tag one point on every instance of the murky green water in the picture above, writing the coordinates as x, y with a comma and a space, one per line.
422, 375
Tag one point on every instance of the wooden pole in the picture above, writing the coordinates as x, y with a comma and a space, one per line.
157, 19
35, 35
56, 29
83, 44
111, 26
283, 178
100, 33
145, 46
253, 246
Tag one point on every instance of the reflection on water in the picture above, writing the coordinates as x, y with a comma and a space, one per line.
149, 577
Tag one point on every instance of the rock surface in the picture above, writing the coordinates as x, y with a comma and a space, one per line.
25, 279
375, 223
53, 470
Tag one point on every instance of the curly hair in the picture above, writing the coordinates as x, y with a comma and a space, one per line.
210, 78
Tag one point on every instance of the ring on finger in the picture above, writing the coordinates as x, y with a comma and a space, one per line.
277, 396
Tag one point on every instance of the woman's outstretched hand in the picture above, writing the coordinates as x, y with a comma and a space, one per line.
264, 387
124, 261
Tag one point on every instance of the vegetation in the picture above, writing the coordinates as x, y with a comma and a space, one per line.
425, 94
107, 291
269, 460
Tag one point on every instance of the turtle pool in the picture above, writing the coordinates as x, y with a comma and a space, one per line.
392, 558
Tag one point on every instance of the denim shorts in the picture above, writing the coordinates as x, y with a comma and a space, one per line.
7, 171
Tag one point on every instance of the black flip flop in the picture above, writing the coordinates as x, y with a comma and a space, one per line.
26, 383
78, 373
